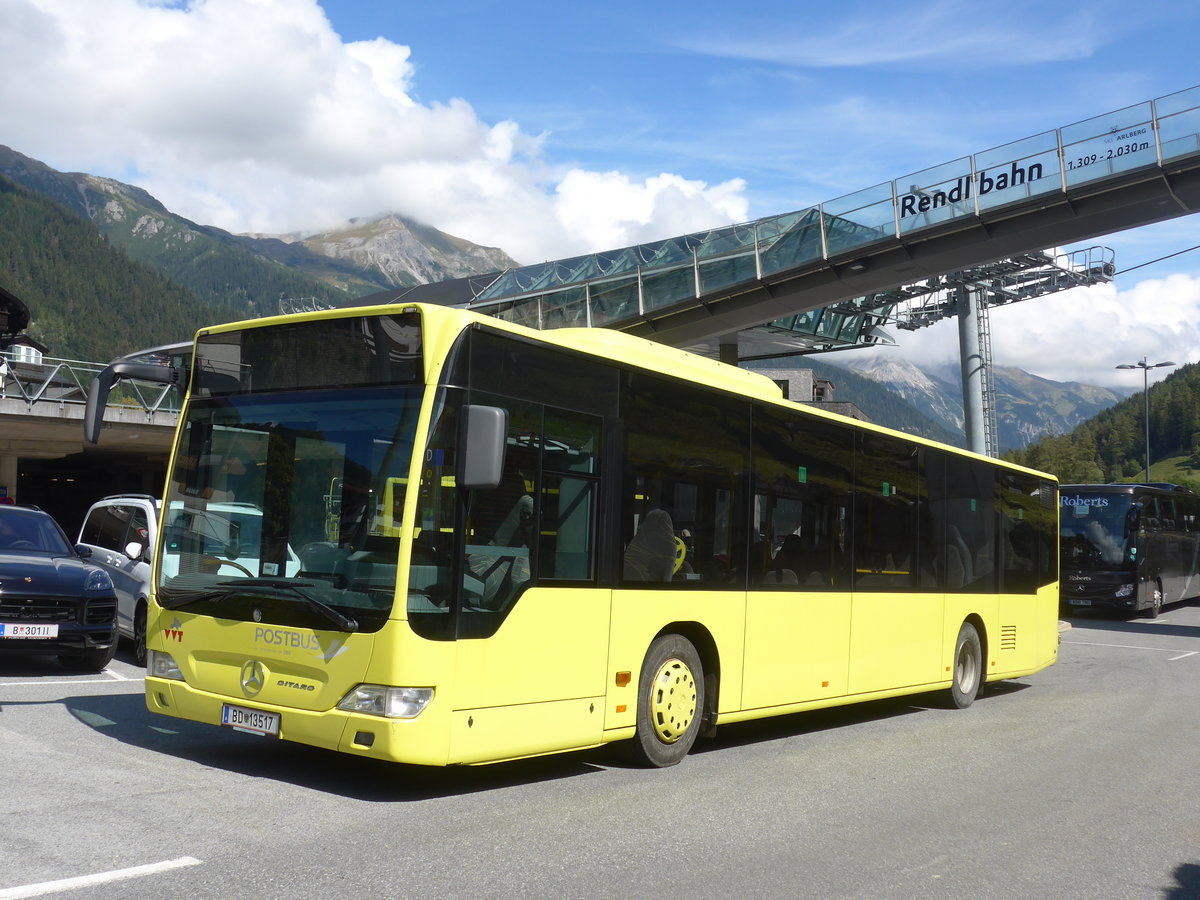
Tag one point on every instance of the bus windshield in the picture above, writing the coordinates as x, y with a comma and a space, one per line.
253, 529
1098, 529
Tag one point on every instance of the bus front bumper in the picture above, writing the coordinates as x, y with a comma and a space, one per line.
410, 741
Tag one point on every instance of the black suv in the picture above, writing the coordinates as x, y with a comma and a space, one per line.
51, 600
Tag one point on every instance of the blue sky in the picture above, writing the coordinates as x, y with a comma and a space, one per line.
553, 129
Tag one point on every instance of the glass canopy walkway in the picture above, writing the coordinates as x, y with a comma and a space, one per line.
625, 287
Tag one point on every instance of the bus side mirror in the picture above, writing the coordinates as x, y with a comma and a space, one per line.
103, 383
484, 431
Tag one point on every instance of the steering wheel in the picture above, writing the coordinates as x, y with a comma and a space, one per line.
212, 564
22, 545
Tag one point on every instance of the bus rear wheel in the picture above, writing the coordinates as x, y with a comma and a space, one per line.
967, 667
670, 702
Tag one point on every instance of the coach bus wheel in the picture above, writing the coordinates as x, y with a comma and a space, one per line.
968, 667
670, 702
1156, 598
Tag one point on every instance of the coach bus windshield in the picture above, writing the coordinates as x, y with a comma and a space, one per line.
252, 528
1098, 529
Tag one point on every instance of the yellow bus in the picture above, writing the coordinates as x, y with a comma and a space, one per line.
608, 540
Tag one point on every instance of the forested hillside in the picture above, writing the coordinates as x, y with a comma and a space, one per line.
217, 266
88, 300
1111, 446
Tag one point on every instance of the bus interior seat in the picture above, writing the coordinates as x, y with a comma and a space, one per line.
512, 526
650, 555
780, 576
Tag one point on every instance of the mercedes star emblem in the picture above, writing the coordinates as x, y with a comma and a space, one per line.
254, 676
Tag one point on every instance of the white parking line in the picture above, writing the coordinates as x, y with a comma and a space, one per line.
70, 884
112, 676
1182, 654
73, 681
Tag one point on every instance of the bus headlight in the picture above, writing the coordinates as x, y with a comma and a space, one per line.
1125, 590
389, 702
162, 665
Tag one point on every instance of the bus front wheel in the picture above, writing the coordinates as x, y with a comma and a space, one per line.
967, 668
670, 702
1156, 601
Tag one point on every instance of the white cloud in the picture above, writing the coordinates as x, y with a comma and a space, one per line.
254, 115
1083, 334
975, 35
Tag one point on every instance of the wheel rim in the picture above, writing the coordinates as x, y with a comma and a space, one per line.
966, 667
673, 701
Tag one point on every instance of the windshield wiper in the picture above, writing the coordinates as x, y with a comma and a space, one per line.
343, 621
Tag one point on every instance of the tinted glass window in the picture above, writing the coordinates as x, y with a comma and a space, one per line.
802, 479
891, 518
106, 527
331, 353
962, 507
514, 368
682, 508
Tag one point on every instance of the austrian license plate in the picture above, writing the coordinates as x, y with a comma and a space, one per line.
27, 630
254, 721
1079, 601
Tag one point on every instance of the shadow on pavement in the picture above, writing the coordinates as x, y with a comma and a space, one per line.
124, 717
1187, 886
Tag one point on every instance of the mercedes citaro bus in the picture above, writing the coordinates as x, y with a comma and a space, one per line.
551, 540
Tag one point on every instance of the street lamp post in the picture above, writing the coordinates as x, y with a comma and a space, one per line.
1146, 367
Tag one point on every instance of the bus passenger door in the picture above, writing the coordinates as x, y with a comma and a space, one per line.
532, 642
537, 684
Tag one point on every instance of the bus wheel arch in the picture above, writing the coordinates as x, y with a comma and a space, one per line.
968, 666
673, 687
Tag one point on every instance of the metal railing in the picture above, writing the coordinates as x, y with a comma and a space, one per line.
66, 381
623, 285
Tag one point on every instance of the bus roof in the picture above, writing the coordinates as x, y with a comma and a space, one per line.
1126, 487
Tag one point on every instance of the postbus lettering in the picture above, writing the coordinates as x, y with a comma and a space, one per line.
279, 637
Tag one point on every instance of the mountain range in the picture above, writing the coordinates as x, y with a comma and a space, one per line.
214, 276
1027, 406
254, 271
